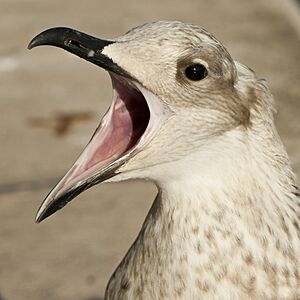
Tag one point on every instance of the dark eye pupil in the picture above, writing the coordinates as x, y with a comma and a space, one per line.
195, 72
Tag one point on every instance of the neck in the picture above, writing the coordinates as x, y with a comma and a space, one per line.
234, 219
250, 192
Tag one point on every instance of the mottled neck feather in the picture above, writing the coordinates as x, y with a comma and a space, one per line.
220, 227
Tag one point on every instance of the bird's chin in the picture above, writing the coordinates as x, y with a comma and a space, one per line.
134, 117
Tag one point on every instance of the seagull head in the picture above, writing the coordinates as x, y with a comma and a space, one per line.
176, 89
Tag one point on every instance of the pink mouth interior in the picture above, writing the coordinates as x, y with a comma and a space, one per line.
119, 131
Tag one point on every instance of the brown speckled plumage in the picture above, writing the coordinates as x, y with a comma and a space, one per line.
225, 223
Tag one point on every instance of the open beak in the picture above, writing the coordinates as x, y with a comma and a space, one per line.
131, 121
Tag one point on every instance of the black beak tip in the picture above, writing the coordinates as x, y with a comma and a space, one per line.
38, 220
34, 42
31, 44
37, 40
56, 204
42, 216
50, 36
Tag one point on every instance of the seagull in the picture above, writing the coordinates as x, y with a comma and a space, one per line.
225, 223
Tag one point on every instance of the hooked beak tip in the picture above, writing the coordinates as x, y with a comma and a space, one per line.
31, 45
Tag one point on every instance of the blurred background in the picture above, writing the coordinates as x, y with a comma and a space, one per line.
51, 102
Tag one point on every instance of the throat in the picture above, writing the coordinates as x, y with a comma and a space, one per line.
214, 239
247, 213
209, 240
228, 231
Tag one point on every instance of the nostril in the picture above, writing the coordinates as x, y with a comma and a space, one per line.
76, 44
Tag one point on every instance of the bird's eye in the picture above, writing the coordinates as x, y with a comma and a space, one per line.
196, 72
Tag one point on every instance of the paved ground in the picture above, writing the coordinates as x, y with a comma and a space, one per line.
50, 104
